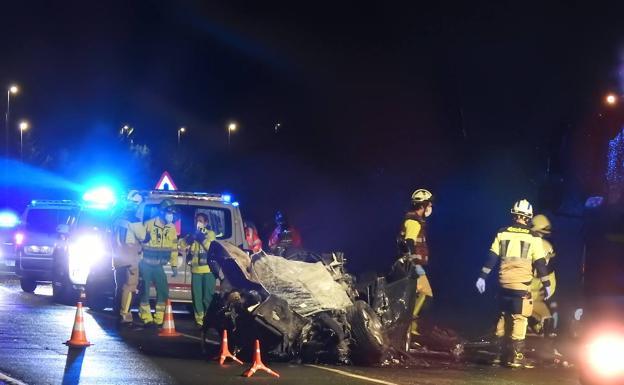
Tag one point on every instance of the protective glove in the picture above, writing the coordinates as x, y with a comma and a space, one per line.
481, 285
548, 292
174, 271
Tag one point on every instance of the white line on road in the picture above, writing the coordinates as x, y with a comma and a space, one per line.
10, 380
347, 374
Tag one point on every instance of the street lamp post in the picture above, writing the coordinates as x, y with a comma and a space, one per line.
231, 128
181, 131
23, 126
11, 90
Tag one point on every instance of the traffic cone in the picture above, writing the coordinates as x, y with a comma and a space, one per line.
258, 365
225, 351
168, 328
78, 337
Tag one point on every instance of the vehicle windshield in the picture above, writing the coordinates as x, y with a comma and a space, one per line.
93, 219
45, 220
604, 256
219, 219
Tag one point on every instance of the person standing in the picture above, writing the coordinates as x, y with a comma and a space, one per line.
520, 251
160, 248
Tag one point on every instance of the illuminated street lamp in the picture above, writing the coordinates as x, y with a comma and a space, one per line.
181, 131
611, 99
23, 126
231, 128
13, 89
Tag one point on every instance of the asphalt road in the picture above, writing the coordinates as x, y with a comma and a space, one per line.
33, 329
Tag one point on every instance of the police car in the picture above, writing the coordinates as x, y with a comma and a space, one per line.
224, 218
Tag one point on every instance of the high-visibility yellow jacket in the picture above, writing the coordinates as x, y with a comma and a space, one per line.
518, 249
161, 242
536, 283
199, 251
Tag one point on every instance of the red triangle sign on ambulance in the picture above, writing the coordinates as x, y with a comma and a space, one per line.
166, 183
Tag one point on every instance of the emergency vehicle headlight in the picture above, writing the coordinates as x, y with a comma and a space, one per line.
8, 219
84, 252
605, 352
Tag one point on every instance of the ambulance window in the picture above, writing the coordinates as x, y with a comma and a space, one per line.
219, 221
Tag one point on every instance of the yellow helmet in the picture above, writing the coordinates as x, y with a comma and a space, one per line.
541, 224
421, 195
522, 207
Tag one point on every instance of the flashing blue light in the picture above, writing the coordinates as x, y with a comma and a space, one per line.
8, 219
226, 198
235, 204
102, 197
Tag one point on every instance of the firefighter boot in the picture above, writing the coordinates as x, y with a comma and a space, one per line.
499, 350
517, 359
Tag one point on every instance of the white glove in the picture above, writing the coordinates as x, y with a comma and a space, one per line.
481, 285
548, 291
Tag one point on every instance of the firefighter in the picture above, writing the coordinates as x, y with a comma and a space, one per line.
544, 312
128, 234
160, 248
284, 235
203, 282
251, 236
414, 253
520, 252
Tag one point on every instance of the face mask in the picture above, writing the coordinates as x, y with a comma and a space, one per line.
169, 218
200, 225
428, 211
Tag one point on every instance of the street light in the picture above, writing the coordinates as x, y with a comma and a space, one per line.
231, 128
23, 126
13, 89
611, 99
181, 131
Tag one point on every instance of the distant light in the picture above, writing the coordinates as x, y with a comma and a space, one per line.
235, 204
226, 198
103, 197
611, 99
232, 127
182, 129
8, 219
19, 239
23, 126
13, 89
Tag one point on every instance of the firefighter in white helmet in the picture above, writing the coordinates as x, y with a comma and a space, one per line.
128, 235
414, 253
520, 252
545, 315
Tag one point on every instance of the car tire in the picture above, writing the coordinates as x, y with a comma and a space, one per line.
28, 285
366, 330
64, 294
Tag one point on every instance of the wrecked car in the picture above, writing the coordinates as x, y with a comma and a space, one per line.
303, 308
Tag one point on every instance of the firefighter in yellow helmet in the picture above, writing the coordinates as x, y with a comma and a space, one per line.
414, 253
545, 313
202, 280
520, 252
160, 248
128, 234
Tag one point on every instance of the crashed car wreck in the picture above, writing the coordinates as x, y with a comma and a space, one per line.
304, 308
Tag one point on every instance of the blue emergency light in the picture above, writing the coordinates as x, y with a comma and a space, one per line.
102, 197
226, 198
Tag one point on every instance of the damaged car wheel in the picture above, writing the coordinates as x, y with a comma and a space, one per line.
367, 334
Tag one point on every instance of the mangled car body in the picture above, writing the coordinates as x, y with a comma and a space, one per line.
305, 308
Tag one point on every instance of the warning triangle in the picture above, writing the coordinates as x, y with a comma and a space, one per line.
166, 182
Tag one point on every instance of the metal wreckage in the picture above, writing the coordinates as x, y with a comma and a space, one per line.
305, 307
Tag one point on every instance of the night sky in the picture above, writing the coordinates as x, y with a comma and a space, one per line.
484, 103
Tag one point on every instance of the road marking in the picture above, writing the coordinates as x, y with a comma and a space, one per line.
10, 380
347, 374
190, 336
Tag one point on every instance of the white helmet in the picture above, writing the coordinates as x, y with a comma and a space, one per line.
421, 195
134, 196
522, 207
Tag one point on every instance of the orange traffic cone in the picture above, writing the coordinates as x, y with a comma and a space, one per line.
225, 351
258, 365
78, 337
168, 328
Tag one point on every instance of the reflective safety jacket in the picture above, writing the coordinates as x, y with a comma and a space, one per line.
198, 251
412, 239
161, 243
253, 240
288, 235
519, 251
536, 283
